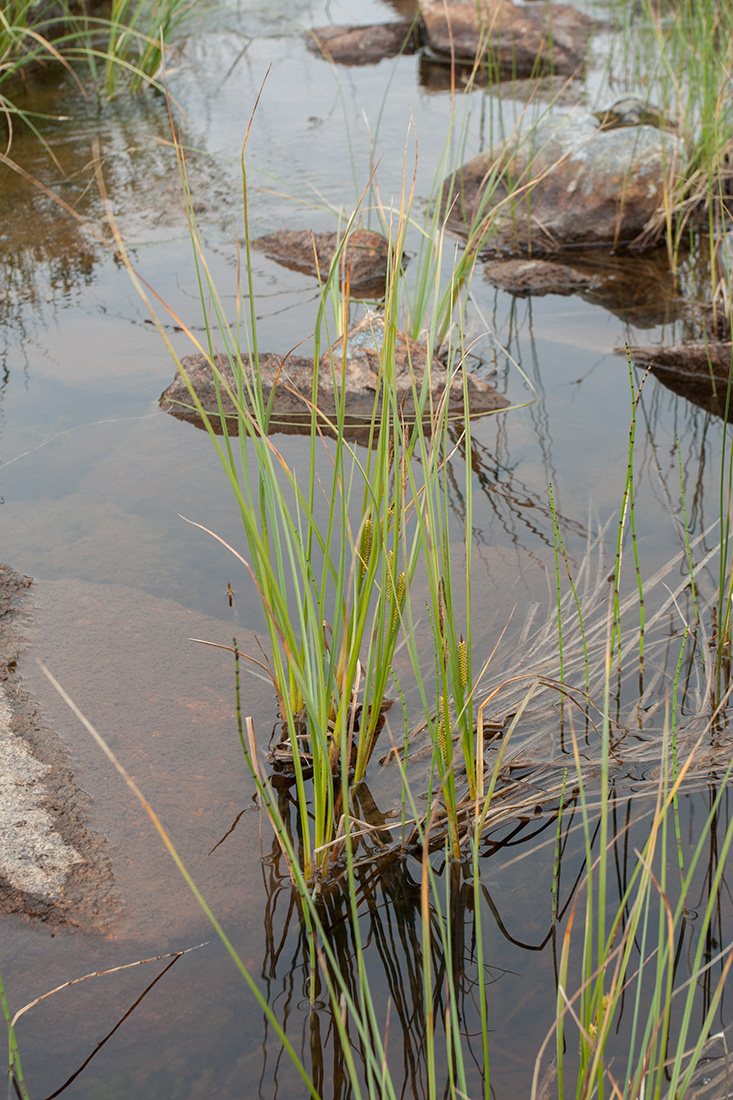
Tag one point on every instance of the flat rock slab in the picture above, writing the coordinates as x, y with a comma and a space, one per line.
515, 39
289, 381
364, 257
364, 45
166, 706
568, 183
537, 277
52, 868
697, 372
697, 359
637, 287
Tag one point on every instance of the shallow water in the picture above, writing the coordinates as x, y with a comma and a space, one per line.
94, 479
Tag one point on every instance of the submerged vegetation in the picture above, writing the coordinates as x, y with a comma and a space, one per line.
610, 708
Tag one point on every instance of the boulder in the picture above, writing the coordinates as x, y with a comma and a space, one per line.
289, 381
365, 255
567, 183
364, 45
514, 39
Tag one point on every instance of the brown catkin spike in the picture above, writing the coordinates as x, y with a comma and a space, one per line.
462, 663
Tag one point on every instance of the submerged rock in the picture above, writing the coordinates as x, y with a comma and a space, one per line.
567, 183
52, 867
365, 255
288, 380
515, 39
440, 74
364, 45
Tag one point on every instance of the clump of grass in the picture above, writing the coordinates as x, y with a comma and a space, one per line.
678, 56
334, 559
123, 49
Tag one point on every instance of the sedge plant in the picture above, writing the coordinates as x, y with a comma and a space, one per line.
333, 556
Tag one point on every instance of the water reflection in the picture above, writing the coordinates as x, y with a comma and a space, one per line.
415, 958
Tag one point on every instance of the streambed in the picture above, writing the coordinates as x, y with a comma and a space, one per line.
94, 478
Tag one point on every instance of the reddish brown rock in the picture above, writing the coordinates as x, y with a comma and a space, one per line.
364, 258
364, 45
289, 381
537, 277
567, 183
361, 369
698, 372
638, 287
515, 39
709, 360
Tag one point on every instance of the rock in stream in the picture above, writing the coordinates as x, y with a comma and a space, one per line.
364, 45
568, 183
290, 379
364, 257
517, 40
52, 868
699, 372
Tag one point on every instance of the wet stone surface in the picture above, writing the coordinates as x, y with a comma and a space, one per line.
696, 371
637, 287
291, 378
537, 277
578, 185
518, 40
631, 111
363, 259
51, 867
364, 45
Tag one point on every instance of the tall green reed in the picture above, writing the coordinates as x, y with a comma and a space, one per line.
333, 561
626, 967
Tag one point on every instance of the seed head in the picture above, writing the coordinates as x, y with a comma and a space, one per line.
462, 663
365, 549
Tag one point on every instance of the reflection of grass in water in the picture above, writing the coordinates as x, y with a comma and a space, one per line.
35, 35
389, 951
